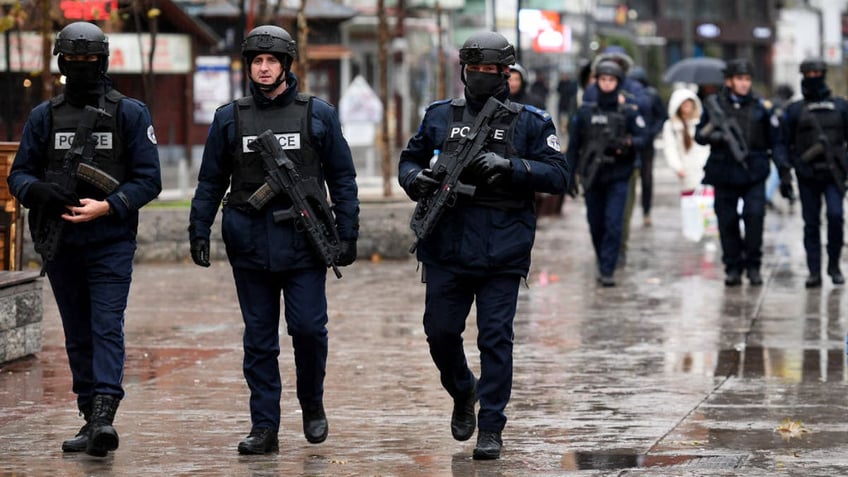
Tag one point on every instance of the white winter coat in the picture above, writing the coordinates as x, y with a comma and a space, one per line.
691, 162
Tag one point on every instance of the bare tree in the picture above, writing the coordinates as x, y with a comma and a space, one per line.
383, 59
147, 74
303, 43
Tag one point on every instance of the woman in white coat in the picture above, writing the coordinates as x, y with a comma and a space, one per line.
682, 153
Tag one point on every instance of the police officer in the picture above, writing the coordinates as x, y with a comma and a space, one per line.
741, 137
480, 248
269, 257
91, 271
603, 141
816, 130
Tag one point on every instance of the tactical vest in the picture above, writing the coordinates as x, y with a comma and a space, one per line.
65, 119
756, 130
603, 127
292, 126
500, 142
829, 120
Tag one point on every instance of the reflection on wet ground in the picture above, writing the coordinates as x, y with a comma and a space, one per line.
669, 373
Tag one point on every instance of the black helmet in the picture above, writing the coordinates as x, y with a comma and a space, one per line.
486, 48
609, 67
737, 67
639, 74
520, 69
269, 39
812, 64
81, 38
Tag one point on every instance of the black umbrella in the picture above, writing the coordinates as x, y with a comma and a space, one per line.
701, 70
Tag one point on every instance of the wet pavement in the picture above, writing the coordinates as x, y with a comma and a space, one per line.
669, 373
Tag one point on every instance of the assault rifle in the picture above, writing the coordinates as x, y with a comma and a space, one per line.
594, 160
729, 128
310, 210
822, 148
78, 163
447, 170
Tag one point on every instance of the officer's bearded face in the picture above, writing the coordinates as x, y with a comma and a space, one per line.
265, 69
740, 85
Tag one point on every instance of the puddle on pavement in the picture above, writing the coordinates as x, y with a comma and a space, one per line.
615, 461
790, 364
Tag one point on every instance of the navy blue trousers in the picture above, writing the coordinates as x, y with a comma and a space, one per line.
605, 203
305, 301
811, 192
448, 302
91, 285
741, 253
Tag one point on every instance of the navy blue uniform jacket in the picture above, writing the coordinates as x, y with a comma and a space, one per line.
482, 240
141, 185
255, 241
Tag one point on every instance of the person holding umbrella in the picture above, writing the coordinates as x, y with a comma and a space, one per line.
741, 129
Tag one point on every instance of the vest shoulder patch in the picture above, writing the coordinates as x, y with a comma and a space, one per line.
538, 112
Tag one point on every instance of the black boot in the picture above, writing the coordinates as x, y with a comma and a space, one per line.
463, 418
813, 281
754, 277
489, 445
835, 273
261, 440
315, 427
733, 278
80, 441
102, 436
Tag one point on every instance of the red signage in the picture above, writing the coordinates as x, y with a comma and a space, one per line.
88, 9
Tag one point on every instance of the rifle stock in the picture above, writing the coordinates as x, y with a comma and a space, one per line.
310, 211
447, 170
729, 128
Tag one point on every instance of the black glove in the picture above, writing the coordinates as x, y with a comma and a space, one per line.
200, 251
423, 185
490, 167
50, 198
347, 254
786, 190
617, 147
715, 137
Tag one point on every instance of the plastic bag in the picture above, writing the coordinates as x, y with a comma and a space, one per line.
697, 214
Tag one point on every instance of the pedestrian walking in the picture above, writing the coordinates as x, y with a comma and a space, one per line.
603, 141
479, 250
656, 118
567, 89
86, 163
742, 131
816, 131
270, 253
683, 155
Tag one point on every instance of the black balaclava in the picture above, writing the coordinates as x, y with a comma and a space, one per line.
814, 88
480, 86
609, 100
84, 81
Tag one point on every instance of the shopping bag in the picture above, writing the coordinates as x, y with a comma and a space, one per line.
697, 214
